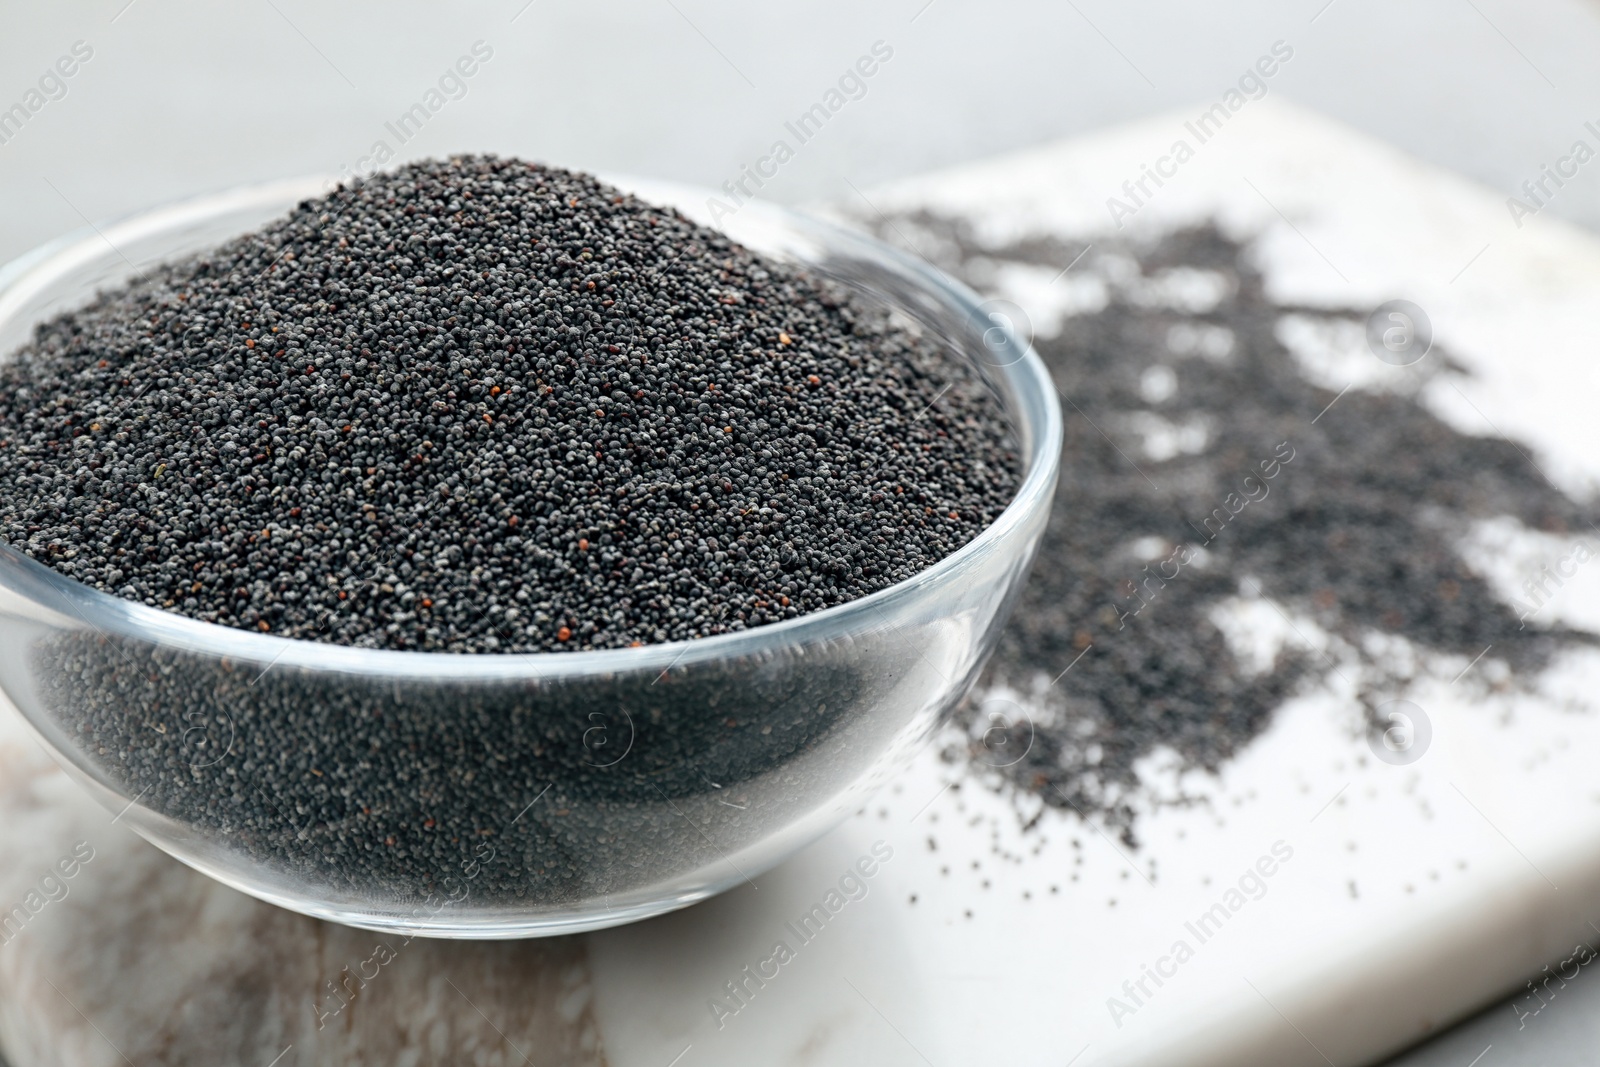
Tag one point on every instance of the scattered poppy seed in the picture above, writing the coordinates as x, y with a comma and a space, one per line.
1358, 532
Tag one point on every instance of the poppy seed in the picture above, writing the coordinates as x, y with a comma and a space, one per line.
386, 420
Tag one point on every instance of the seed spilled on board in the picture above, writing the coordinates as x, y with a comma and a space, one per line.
1115, 648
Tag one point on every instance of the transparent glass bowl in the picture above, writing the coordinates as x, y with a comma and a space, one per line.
531, 794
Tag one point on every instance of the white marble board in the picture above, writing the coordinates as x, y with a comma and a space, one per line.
1400, 897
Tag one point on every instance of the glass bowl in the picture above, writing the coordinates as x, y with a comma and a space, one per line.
526, 794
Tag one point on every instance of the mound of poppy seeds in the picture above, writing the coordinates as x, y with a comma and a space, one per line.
483, 406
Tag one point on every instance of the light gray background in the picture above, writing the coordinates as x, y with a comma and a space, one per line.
183, 97
187, 97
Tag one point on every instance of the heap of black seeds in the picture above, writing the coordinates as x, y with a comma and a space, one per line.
510, 798
481, 405
1357, 531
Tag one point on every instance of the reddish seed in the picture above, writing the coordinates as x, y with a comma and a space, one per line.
563, 634
583, 544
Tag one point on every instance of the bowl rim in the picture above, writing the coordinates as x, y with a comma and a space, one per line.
1037, 415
